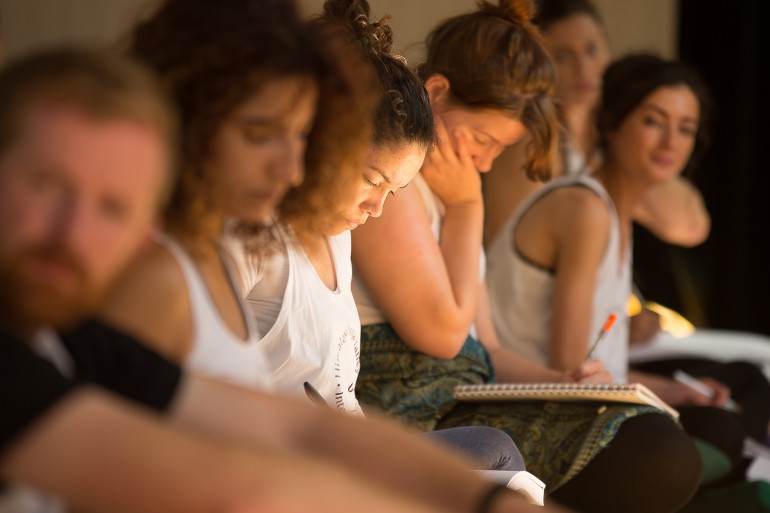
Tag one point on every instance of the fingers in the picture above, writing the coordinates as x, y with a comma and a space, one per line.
443, 146
592, 371
463, 153
721, 392
599, 378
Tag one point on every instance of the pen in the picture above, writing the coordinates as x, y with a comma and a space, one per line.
602, 333
314, 396
693, 383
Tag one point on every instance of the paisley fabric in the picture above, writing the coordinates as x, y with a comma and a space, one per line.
556, 439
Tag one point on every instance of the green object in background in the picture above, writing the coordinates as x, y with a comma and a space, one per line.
716, 464
748, 497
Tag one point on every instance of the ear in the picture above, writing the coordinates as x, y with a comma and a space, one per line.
439, 90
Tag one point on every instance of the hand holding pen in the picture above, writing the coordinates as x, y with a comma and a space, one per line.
590, 370
715, 392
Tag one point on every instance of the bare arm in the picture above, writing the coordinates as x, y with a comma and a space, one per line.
101, 454
158, 315
580, 224
674, 211
427, 290
511, 367
679, 394
377, 450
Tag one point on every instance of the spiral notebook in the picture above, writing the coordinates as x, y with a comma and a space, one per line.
634, 393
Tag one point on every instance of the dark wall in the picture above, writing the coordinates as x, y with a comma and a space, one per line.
724, 283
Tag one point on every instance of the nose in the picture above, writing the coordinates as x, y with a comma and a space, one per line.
70, 224
374, 205
484, 160
289, 164
668, 140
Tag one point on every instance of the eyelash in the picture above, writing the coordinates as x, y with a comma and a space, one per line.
652, 121
376, 185
682, 130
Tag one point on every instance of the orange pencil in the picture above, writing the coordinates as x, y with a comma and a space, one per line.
602, 333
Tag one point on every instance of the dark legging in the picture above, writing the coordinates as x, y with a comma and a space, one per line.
673, 476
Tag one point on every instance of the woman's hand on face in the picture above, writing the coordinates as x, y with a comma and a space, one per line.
450, 171
590, 371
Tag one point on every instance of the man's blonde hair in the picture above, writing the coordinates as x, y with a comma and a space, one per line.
100, 85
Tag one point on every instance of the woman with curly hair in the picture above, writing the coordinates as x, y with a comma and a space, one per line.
255, 87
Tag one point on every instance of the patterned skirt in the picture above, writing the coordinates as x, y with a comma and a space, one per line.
556, 439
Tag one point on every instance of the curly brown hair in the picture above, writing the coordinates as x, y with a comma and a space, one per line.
212, 57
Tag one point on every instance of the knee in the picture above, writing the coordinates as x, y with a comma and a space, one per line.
664, 464
490, 448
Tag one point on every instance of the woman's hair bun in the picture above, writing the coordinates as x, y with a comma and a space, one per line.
517, 11
354, 17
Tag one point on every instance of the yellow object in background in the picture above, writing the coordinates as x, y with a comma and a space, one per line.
670, 321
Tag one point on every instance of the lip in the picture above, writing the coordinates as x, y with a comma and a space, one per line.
52, 273
585, 87
354, 224
664, 161
272, 196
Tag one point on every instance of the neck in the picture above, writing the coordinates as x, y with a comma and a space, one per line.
580, 121
625, 193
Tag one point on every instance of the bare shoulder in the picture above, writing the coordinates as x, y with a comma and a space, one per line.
151, 301
404, 210
577, 207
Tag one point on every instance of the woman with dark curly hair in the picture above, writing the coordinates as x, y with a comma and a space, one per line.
254, 87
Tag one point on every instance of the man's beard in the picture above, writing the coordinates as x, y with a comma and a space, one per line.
27, 302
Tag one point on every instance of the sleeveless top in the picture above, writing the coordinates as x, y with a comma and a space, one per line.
312, 334
521, 293
216, 351
367, 308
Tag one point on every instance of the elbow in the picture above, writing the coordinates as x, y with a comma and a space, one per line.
444, 344
697, 235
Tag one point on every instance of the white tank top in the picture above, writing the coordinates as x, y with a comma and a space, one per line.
216, 351
313, 333
521, 293
368, 310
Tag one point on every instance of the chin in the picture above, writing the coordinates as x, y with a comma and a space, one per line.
262, 216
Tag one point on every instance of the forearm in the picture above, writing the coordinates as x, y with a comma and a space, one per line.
380, 451
510, 367
100, 454
461, 238
513, 368
657, 384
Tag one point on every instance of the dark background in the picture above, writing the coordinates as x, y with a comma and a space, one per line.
724, 283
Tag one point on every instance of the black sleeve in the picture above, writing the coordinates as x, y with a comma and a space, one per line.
29, 387
114, 360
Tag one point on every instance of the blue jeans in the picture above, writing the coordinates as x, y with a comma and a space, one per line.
489, 447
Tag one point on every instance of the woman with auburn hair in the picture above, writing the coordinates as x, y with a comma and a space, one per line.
420, 290
254, 86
